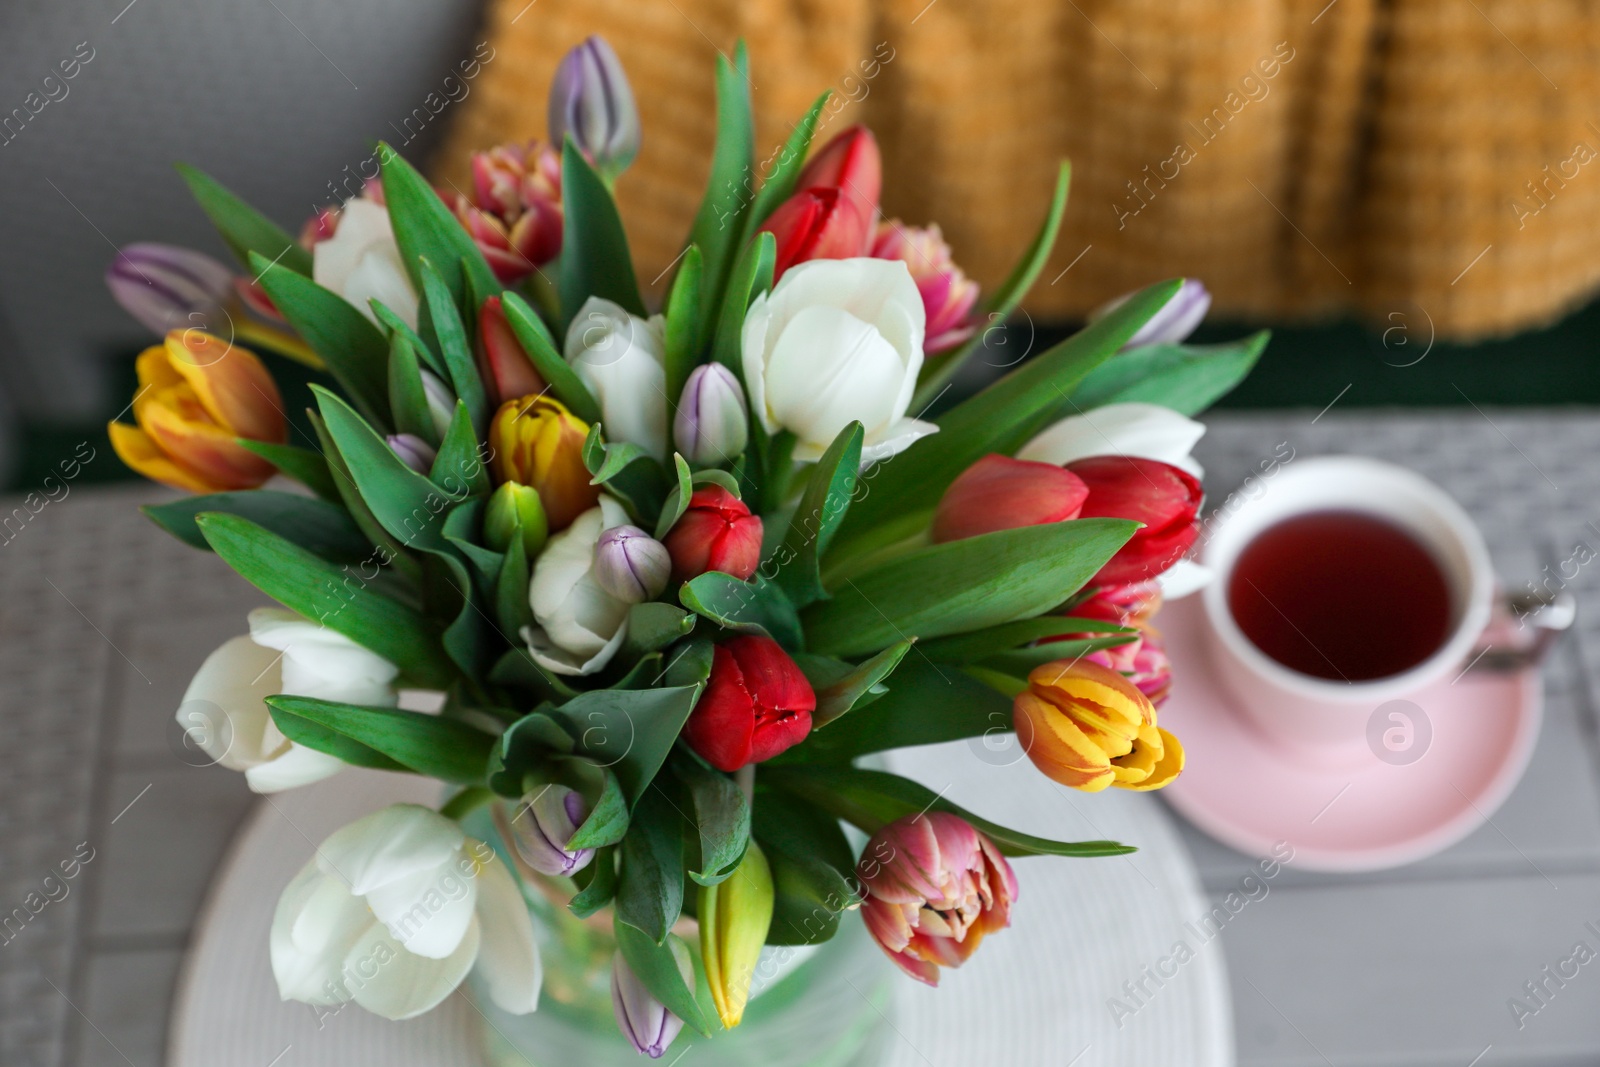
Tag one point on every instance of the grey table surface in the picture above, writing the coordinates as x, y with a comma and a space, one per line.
103, 619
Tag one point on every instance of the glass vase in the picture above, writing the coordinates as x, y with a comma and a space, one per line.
825, 1005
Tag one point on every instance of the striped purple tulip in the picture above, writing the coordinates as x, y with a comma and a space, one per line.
643, 1019
413, 451
170, 288
1177, 319
546, 823
590, 98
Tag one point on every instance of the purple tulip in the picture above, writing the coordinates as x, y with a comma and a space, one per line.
170, 288
642, 1018
546, 823
711, 426
413, 451
591, 99
1177, 319
631, 565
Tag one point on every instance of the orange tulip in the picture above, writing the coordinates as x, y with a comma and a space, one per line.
539, 443
1088, 727
197, 395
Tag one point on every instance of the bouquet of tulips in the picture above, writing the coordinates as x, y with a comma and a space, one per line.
654, 583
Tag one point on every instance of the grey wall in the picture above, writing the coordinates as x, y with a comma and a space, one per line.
274, 97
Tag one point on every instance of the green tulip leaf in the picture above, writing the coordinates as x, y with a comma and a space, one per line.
758, 606
433, 745
315, 525
1186, 378
426, 228
683, 323
304, 465
597, 884
812, 865
408, 401
719, 224
938, 371
325, 592
408, 505
870, 800
355, 352
629, 730
535, 339
963, 585
838, 691
791, 160
243, 228
822, 508
595, 260
974, 645
396, 326
650, 892
456, 346
721, 818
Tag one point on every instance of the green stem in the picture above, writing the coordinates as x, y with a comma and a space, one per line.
468, 800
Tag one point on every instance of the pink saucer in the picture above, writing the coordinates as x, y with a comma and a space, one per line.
1248, 791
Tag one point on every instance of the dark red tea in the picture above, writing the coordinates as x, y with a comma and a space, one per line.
1340, 595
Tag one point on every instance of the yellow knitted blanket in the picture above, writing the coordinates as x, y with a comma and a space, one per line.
1424, 162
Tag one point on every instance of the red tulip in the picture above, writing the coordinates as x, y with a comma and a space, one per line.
756, 704
934, 887
504, 365
1163, 497
851, 163
817, 223
514, 213
717, 533
1001, 493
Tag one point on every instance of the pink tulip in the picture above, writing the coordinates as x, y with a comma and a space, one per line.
934, 887
948, 295
514, 212
1144, 659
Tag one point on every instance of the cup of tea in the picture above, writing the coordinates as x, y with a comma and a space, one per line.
1345, 583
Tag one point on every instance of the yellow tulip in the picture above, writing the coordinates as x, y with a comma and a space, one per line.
537, 442
1088, 727
197, 394
735, 915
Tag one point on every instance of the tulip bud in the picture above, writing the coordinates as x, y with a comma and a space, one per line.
642, 1018
538, 443
503, 364
735, 915
947, 294
1088, 727
935, 887
541, 830
441, 401
716, 533
850, 163
712, 424
631, 565
817, 223
756, 704
169, 288
413, 451
1143, 661
1163, 497
197, 393
1177, 319
511, 507
1001, 493
591, 100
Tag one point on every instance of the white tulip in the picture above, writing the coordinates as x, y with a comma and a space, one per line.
361, 262
579, 626
393, 912
619, 357
836, 341
224, 709
1148, 431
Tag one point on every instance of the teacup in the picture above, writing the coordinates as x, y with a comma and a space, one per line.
1326, 718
